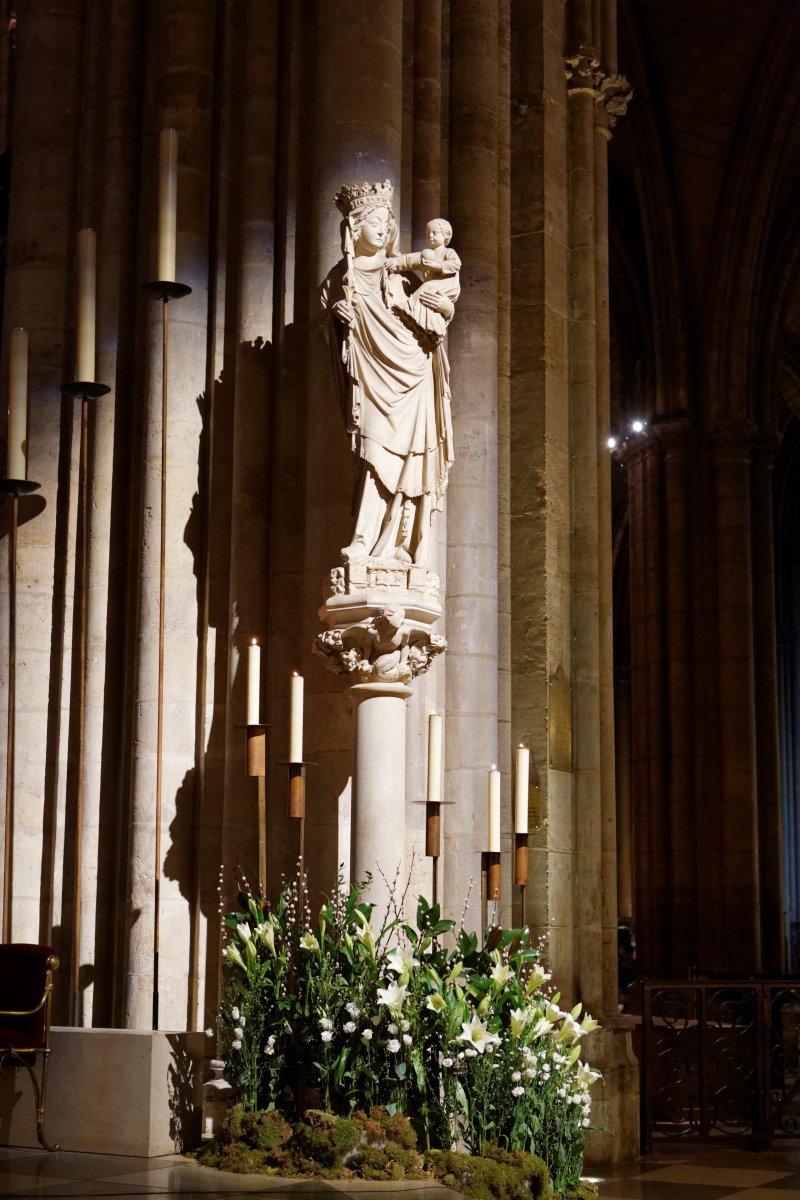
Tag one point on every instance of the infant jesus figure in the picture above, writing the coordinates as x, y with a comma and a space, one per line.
438, 267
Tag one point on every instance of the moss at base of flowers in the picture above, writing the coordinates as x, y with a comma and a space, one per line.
375, 1146
497, 1175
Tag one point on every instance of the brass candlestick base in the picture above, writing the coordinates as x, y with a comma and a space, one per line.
521, 868
166, 289
256, 757
490, 881
297, 791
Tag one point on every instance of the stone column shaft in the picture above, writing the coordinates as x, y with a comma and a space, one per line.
472, 619
766, 711
112, 207
379, 792
179, 85
737, 765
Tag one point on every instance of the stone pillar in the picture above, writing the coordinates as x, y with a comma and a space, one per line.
371, 600
678, 761
738, 782
38, 295
472, 614
114, 213
379, 791
766, 710
178, 89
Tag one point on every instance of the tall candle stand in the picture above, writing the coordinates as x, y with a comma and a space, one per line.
433, 843
13, 488
87, 391
257, 769
521, 870
490, 882
163, 290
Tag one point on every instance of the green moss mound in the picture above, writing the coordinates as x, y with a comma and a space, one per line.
497, 1175
375, 1146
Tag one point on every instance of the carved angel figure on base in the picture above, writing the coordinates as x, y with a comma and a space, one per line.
394, 378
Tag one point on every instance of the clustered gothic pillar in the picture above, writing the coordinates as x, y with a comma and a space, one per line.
704, 775
471, 714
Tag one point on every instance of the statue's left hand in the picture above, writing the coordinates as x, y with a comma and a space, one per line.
434, 300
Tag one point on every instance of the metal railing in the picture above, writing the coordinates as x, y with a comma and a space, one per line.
720, 1060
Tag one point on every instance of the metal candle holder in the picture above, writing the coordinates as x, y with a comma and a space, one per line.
257, 769
433, 838
490, 881
521, 869
297, 805
13, 488
87, 390
163, 290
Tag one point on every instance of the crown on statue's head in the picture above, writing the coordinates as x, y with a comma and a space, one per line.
353, 197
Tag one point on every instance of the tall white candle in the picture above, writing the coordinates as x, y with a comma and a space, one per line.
17, 467
296, 720
521, 792
87, 292
253, 682
434, 758
494, 811
167, 203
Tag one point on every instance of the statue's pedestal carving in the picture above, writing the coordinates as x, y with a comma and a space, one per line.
379, 615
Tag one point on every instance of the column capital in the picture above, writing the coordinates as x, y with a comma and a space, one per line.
609, 89
380, 616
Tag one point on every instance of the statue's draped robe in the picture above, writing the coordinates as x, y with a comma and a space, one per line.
397, 394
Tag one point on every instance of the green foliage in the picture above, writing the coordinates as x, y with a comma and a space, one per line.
466, 1040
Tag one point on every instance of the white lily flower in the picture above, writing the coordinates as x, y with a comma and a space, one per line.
542, 1027
309, 943
519, 1019
588, 1024
244, 931
393, 997
585, 1076
366, 934
233, 956
538, 977
401, 961
477, 1034
501, 973
436, 1002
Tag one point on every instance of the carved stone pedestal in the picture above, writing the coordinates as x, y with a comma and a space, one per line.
379, 615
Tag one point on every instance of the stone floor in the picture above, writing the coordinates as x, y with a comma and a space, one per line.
672, 1173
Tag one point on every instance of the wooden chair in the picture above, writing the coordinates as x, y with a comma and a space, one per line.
26, 989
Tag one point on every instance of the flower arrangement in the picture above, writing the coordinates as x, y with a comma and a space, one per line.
466, 1039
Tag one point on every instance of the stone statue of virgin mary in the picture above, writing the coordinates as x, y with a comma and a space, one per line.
393, 379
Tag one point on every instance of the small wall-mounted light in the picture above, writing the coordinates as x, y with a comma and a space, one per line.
637, 426
612, 443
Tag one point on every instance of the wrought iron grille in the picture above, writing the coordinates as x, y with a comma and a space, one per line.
720, 1060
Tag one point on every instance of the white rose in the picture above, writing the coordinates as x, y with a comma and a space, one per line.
349, 1026
326, 1035
366, 1036
393, 1045
407, 1039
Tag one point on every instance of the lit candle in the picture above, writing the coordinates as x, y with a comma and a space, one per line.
494, 811
521, 793
434, 758
17, 467
253, 682
87, 291
296, 721
167, 203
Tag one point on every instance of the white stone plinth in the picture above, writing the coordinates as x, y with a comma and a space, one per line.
112, 1091
379, 789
